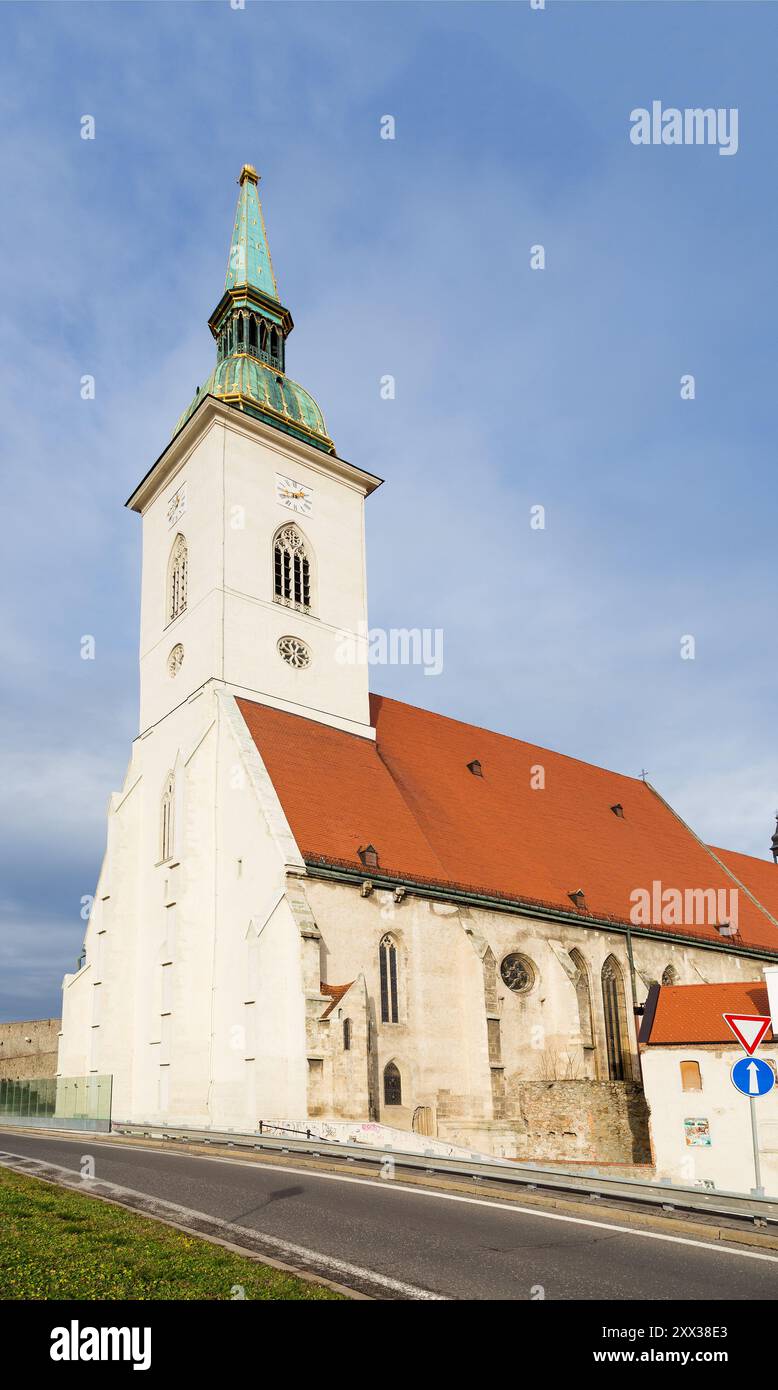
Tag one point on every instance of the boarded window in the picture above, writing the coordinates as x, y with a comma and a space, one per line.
691, 1077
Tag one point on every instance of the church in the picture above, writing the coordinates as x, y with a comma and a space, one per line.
322, 907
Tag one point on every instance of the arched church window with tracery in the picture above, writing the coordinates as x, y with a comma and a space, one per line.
177, 577
615, 1006
167, 818
387, 960
291, 569
393, 1088
583, 998
670, 975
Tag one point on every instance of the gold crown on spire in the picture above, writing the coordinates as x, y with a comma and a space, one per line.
248, 172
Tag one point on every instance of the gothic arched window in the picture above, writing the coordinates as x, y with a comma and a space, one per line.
393, 1089
670, 975
583, 998
387, 960
167, 818
615, 1005
291, 569
347, 1035
177, 575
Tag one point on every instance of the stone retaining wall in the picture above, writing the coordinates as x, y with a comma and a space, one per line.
546, 1121
28, 1049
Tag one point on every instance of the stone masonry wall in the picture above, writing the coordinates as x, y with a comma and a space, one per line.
557, 1121
606, 1121
21, 1059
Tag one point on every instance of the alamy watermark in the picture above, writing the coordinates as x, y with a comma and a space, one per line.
687, 907
394, 646
694, 125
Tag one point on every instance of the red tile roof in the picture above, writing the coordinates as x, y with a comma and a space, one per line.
760, 875
335, 993
412, 795
693, 1013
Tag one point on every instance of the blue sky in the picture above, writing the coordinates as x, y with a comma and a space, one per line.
514, 387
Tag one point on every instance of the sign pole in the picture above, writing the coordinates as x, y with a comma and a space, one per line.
757, 1191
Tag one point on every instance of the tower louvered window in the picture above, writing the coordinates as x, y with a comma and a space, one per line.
291, 569
177, 578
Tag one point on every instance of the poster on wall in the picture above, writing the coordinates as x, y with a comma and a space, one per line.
697, 1133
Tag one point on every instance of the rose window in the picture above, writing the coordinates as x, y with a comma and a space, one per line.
517, 973
294, 652
176, 660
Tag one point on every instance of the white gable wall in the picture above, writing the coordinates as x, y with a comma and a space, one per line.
162, 1002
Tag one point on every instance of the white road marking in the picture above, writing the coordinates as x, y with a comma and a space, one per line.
312, 1258
386, 1185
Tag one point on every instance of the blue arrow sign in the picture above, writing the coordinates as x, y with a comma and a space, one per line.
752, 1077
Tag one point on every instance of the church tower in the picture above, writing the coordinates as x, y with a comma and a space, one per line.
253, 528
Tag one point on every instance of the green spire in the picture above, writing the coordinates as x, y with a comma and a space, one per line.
249, 261
251, 326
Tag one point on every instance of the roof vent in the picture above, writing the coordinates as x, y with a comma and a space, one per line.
618, 810
578, 899
369, 856
475, 768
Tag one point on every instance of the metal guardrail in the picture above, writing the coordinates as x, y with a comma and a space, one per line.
762, 1211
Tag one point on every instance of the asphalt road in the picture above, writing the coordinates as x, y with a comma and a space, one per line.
453, 1247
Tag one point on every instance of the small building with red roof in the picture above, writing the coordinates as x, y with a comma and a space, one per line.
700, 1123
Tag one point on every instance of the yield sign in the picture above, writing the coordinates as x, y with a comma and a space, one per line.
749, 1029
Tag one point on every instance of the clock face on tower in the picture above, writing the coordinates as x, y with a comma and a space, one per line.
296, 496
